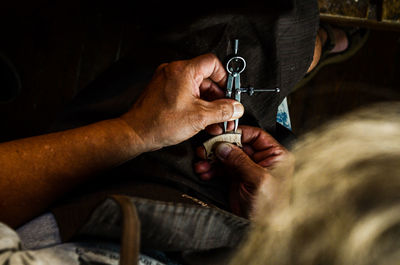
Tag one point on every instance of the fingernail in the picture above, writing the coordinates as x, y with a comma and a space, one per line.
238, 110
223, 150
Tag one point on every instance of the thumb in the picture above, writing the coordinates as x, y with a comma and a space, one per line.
223, 110
237, 160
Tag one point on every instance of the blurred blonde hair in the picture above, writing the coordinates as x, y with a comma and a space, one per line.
345, 205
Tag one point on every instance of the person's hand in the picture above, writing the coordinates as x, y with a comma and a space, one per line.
262, 168
174, 108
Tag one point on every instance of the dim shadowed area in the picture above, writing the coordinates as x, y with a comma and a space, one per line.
59, 47
372, 75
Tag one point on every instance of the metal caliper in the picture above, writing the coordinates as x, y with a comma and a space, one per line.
235, 66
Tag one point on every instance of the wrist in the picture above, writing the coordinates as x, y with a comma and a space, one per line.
129, 137
137, 140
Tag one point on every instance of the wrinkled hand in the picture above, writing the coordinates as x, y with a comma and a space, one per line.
173, 106
262, 168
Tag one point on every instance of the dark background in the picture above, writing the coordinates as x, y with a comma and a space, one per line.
58, 48
372, 75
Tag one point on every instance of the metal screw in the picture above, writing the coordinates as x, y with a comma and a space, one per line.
251, 90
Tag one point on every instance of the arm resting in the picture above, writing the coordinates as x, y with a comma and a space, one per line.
38, 170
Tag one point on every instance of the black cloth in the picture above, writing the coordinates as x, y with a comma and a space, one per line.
277, 40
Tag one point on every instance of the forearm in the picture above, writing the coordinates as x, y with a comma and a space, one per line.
35, 171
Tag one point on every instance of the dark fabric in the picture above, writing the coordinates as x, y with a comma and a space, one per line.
277, 42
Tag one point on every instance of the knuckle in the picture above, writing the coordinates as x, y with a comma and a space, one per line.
161, 67
202, 119
162, 71
277, 150
174, 68
225, 112
199, 121
210, 56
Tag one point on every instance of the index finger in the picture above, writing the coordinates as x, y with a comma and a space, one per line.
257, 138
208, 66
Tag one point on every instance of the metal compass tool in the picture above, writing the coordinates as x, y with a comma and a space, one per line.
235, 66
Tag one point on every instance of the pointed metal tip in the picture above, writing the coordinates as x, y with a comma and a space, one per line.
236, 125
236, 46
